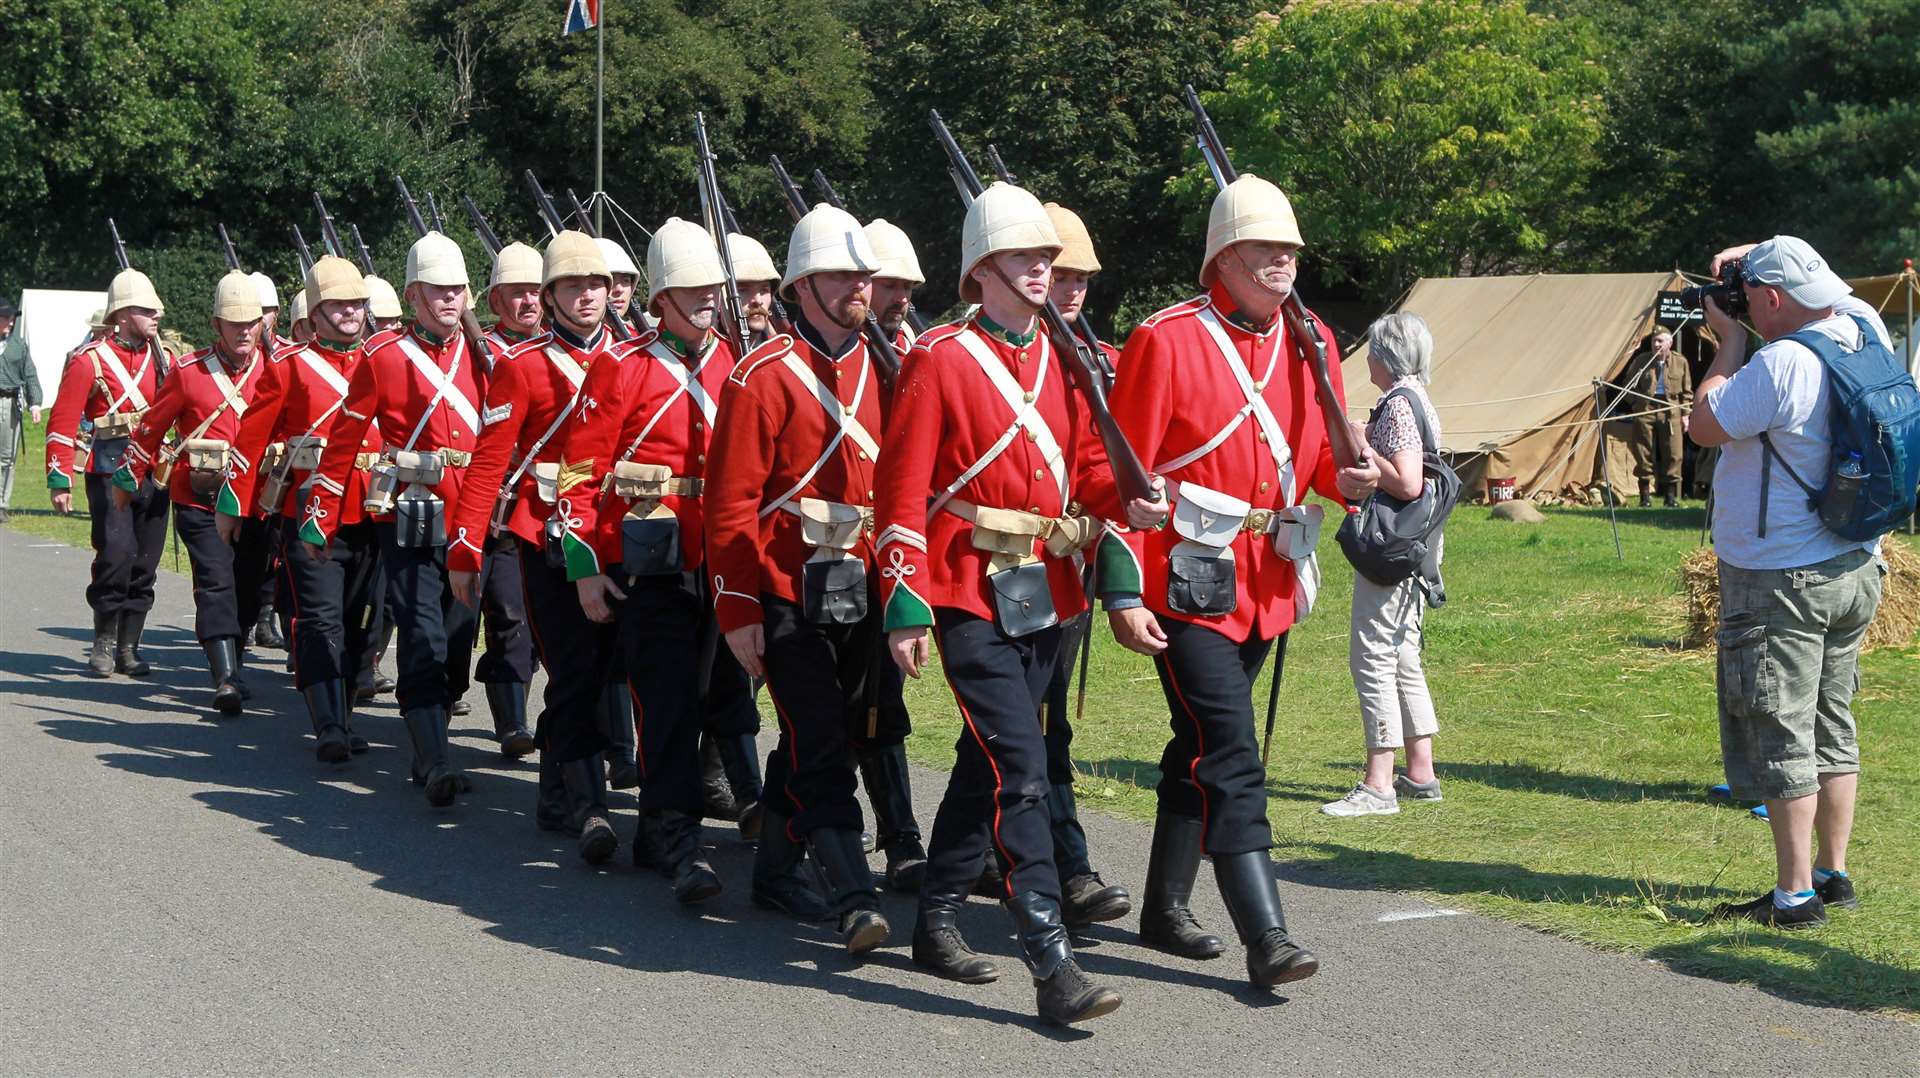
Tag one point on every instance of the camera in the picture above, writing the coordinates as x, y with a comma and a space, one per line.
1728, 291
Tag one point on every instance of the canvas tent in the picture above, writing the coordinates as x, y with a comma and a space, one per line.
1897, 297
1514, 363
52, 322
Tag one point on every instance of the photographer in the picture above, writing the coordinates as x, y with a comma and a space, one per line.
1795, 597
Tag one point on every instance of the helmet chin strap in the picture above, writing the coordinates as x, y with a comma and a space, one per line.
684, 315
828, 311
1256, 279
1018, 292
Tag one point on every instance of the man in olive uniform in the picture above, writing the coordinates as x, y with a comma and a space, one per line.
19, 398
1664, 383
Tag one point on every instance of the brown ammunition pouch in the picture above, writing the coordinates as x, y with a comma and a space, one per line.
207, 460
117, 424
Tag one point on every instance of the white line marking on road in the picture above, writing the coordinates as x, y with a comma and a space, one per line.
1417, 915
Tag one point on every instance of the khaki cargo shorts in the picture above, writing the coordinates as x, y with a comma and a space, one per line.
1788, 668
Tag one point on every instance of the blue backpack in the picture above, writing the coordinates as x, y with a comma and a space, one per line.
1876, 415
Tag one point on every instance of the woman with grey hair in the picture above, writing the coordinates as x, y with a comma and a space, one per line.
1396, 710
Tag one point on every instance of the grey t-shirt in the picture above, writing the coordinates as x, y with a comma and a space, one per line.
1783, 392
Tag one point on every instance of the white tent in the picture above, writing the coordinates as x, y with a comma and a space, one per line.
52, 322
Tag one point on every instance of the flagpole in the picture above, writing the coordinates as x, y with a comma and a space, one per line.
599, 111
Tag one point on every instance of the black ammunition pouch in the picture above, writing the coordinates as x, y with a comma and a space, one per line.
650, 545
419, 520
834, 589
1201, 584
1022, 599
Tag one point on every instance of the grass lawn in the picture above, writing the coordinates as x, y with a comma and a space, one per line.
1577, 743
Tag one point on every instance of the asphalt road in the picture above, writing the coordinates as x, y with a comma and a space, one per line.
186, 894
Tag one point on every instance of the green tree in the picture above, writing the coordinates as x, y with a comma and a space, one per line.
1424, 138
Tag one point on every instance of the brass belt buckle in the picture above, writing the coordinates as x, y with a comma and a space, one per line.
1259, 522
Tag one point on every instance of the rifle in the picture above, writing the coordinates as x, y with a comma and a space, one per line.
1302, 327
328, 234
226, 244
544, 205
1080, 324
469, 325
776, 310
713, 209
433, 213
480, 226
833, 198
885, 358
300, 248
366, 256
154, 351
615, 320
1128, 473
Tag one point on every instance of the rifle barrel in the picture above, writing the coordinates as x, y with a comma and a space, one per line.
543, 205
487, 236
226, 244
119, 248
414, 220
301, 248
366, 256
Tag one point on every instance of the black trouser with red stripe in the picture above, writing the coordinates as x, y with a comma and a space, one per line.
333, 592
1070, 839
816, 676
126, 546
1211, 767
435, 630
508, 657
1000, 762
660, 624
224, 599
256, 564
576, 653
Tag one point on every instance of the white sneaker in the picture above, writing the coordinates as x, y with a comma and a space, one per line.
1363, 800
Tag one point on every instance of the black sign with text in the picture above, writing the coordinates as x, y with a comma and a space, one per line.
1671, 314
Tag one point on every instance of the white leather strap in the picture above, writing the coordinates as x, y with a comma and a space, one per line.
324, 371
129, 383
1026, 416
565, 363
1255, 406
686, 378
844, 418
444, 388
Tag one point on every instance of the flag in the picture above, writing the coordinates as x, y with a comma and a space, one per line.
581, 15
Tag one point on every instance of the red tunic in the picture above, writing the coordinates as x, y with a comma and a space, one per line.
1173, 394
103, 376
646, 388
947, 415
295, 395
533, 381
771, 429
393, 388
189, 395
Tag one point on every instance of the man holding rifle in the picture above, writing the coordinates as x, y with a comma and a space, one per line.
757, 277
422, 387
511, 491
893, 285
1211, 392
205, 399
273, 465
109, 384
789, 517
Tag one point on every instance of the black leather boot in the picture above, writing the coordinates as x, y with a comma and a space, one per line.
1165, 921
623, 759
223, 664
427, 730
356, 744
1646, 496
586, 786
266, 631
716, 793
507, 700
896, 832
1085, 898
850, 888
106, 631
126, 654
326, 707
1670, 495
939, 947
1246, 883
550, 805
684, 858
1063, 993
740, 757
777, 882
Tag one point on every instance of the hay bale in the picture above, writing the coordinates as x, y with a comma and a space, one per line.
1518, 511
1894, 625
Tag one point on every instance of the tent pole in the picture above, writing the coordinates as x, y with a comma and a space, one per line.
1606, 480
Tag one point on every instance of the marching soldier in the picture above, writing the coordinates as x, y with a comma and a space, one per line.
384, 313
422, 386
1086, 897
1664, 383
205, 399
626, 276
273, 466
270, 339
299, 326
1210, 393
757, 277
789, 518
513, 490
978, 528
899, 275
636, 458
110, 384
266, 625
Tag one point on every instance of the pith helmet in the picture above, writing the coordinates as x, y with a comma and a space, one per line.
236, 298
436, 260
681, 255
332, 277
516, 263
1003, 218
616, 257
1076, 244
572, 254
895, 251
299, 312
98, 319
751, 262
131, 288
269, 296
382, 300
827, 240
1249, 208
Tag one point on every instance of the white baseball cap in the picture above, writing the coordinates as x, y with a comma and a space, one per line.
1790, 264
